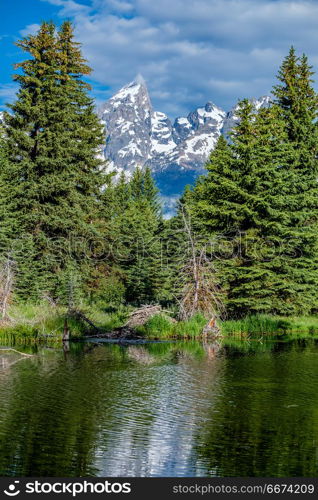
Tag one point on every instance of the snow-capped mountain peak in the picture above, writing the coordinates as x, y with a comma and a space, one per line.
127, 119
137, 135
132, 93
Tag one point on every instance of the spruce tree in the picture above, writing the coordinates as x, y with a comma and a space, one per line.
138, 228
223, 206
6, 192
255, 276
239, 206
54, 136
298, 101
151, 192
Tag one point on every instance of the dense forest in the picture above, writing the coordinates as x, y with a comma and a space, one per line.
244, 239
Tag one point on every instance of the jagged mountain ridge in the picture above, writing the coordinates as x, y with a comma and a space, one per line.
137, 135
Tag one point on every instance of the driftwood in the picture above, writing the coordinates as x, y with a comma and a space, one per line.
142, 315
74, 313
124, 332
137, 318
127, 332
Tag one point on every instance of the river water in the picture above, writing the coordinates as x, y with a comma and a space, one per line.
160, 409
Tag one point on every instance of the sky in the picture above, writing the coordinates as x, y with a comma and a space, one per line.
188, 51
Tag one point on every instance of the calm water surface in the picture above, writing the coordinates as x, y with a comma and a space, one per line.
167, 409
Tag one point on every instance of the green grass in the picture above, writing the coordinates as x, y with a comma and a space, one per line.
156, 327
265, 325
107, 318
159, 327
34, 323
39, 322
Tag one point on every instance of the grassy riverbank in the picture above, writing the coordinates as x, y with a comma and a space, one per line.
36, 323
265, 325
159, 327
44, 322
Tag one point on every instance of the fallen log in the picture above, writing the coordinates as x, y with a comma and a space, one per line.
123, 332
140, 316
75, 313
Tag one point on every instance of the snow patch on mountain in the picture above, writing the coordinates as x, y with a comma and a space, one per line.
138, 135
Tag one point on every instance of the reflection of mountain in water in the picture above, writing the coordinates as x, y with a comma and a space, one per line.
158, 422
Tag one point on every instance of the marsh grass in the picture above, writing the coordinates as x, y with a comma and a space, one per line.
107, 318
159, 327
43, 321
263, 325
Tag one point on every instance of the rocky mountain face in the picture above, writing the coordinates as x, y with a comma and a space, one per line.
137, 135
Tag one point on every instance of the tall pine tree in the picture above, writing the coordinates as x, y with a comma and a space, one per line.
54, 136
298, 101
240, 206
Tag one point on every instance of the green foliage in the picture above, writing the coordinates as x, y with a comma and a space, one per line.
160, 327
299, 104
77, 236
192, 328
53, 139
107, 289
257, 206
257, 325
134, 226
263, 325
41, 322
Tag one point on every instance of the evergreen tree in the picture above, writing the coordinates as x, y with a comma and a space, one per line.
255, 276
151, 192
6, 221
299, 104
240, 207
259, 201
54, 136
138, 227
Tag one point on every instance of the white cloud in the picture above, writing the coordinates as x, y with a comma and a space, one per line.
70, 7
191, 51
8, 92
30, 29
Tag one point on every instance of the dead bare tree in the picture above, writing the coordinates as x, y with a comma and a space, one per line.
6, 285
199, 290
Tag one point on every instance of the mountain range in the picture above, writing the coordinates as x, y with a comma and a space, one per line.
137, 135
176, 152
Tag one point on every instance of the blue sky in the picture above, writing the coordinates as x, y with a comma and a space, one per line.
189, 51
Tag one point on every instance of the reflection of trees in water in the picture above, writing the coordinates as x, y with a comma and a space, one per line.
6, 361
158, 417
166, 409
49, 422
58, 405
265, 422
